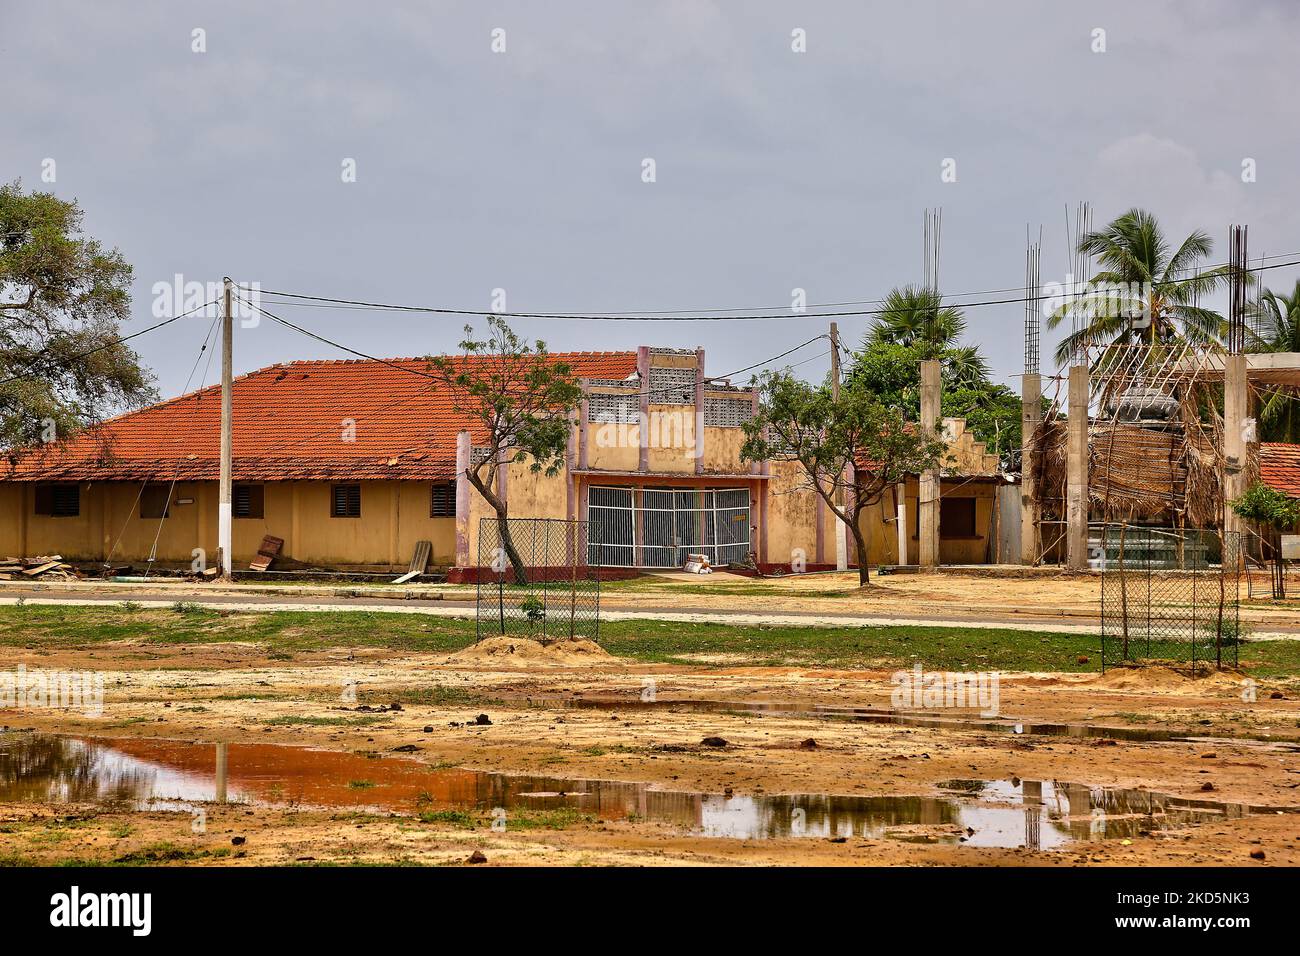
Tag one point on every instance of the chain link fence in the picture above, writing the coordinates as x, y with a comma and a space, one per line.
1168, 596
537, 578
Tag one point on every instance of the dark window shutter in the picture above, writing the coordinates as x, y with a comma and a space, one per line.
346, 501
44, 499
442, 501
154, 501
246, 501
67, 501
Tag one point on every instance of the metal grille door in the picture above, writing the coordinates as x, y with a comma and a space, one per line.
610, 527
659, 527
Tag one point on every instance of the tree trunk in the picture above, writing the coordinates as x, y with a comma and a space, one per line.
864, 569
508, 545
503, 525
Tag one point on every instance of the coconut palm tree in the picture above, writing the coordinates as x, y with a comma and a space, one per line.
1140, 277
913, 315
1277, 329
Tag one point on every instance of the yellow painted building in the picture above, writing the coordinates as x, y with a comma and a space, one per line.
351, 463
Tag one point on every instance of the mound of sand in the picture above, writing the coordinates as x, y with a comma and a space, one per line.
1159, 676
524, 652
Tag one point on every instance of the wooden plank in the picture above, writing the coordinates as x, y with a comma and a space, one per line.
407, 576
40, 569
266, 553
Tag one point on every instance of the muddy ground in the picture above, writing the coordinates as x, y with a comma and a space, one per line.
237, 693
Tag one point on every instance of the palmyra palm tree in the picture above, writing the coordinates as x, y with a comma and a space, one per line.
914, 315
1139, 277
1277, 329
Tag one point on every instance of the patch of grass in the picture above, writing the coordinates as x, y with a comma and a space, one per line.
75, 626
360, 784
893, 647
293, 720
437, 695
165, 852
559, 818
462, 819
518, 818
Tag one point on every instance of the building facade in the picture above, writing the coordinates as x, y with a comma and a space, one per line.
351, 463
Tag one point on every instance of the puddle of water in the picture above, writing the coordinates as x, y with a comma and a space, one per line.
168, 774
876, 715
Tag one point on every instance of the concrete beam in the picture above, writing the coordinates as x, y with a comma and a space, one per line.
1076, 504
1031, 415
928, 498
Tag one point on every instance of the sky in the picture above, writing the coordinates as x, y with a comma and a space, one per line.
503, 146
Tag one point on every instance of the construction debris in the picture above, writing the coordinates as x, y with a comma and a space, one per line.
46, 567
698, 564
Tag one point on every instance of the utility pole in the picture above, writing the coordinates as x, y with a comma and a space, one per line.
841, 530
223, 497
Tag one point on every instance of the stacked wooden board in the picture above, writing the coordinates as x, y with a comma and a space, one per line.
47, 567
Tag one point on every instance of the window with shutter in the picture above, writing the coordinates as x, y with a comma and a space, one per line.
247, 501
442, 501
154, 501
58, 501
345, 501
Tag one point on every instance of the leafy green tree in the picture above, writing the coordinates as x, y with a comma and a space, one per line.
893, 374
1277, 318
855, 447
1141, 276
521, 398
63, 297
1275, 513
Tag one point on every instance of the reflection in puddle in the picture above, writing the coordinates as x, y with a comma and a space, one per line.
165, 774
876, 715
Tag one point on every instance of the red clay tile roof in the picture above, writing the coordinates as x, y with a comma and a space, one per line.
1279, 467
289, 423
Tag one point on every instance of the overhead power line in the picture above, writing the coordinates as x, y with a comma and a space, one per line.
303, 300
438, 378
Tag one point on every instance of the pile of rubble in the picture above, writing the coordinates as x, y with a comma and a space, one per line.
47, 567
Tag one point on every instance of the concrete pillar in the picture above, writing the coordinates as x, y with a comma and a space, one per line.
1236, 423
1076, 493
699, 411
900, 509
463, 488
1031, 414
928, 498
643, 429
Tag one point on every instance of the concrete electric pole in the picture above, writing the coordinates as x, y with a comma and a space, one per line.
223, 498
